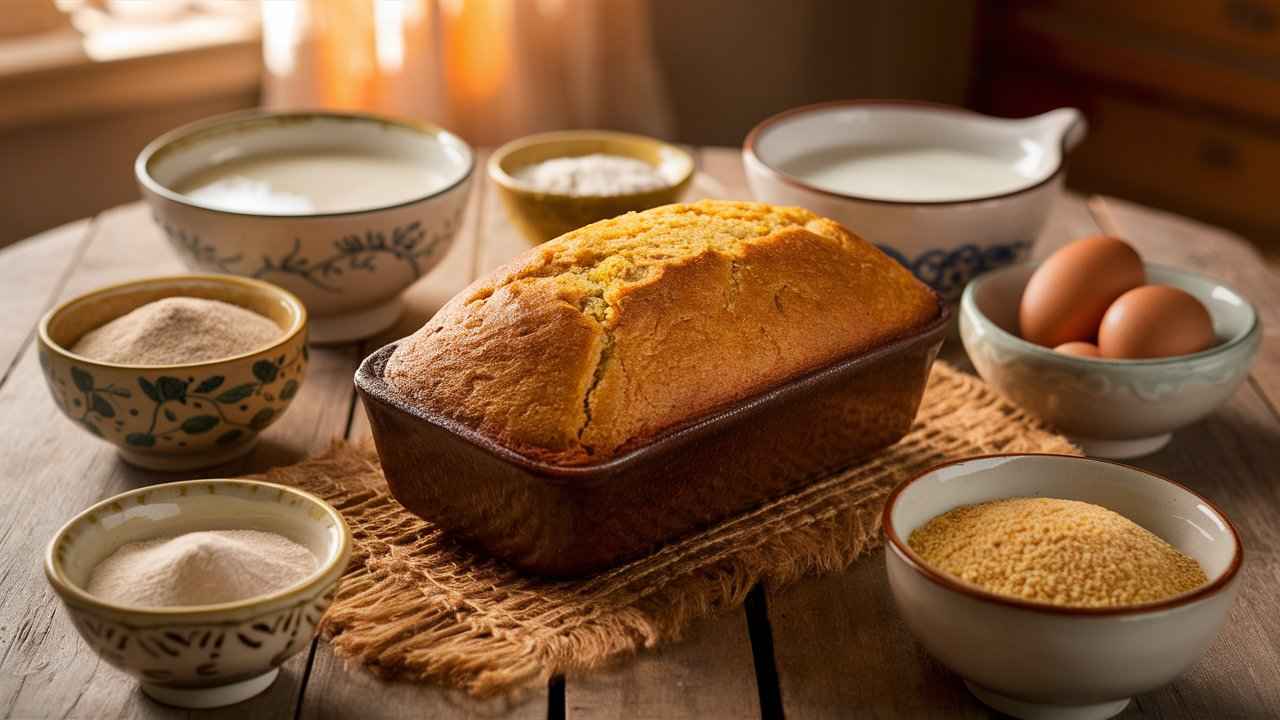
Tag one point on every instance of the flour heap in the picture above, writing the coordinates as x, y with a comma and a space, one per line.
200, 568
177, 331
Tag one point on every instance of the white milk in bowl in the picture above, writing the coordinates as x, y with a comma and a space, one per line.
310, 182
909, 174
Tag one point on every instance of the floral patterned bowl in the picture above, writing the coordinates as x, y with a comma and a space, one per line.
207, 655
348, 267
176, 417
947, 240
1110, 408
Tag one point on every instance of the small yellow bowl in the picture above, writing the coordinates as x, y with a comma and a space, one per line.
176, 417
542, 216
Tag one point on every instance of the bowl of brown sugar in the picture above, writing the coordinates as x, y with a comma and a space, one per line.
178, 372
1059, 586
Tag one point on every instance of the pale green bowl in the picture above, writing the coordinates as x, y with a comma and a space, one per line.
1110, 408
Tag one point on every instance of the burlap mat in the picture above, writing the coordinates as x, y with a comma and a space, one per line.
415, 606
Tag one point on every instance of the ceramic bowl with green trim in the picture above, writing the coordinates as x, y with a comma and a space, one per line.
205, 655
176, 417
541, 216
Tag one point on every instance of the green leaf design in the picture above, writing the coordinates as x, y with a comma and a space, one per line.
172, 388
148, 389
235, 394
265, 370
168, 415
82, 379
120, 392
210, 384
262, 418
229, 437
102, 407
199, 424
290, 389
140, 439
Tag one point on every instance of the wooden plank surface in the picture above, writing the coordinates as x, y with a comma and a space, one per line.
31, 275
711, 672
838, 640
832, 646
52, 472
839, 643
336, 689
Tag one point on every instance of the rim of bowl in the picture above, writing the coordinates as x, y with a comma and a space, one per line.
915, 562
503, 178
299, 318
162, 143
753, 137
968, 303
53, 569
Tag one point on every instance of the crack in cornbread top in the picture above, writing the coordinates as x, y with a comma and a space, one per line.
604, 337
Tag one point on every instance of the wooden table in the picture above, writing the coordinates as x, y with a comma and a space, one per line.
829, 647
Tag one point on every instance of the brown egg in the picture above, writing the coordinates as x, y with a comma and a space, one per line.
1066, 297
1079, 348
1155, 321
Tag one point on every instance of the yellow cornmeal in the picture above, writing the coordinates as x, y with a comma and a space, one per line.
1061, 552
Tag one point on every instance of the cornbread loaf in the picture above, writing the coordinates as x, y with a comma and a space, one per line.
594, 342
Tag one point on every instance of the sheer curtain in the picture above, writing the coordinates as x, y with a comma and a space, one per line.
489, 70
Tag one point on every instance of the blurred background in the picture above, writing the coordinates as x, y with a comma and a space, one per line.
1183, 97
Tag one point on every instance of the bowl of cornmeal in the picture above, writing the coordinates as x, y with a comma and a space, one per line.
200, 589
1059, 586
178, 372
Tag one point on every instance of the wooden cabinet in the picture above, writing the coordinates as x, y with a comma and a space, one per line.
1182, 96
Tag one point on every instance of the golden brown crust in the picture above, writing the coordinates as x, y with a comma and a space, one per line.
604, 337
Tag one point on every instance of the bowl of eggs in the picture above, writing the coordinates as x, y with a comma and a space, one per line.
1112, 351
345, 210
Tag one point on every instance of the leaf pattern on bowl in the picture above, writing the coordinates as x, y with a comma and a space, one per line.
177, 408
409, 245
204, 654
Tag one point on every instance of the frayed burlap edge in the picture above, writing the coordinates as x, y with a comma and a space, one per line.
415, 606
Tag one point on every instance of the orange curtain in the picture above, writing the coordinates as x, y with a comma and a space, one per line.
489, 70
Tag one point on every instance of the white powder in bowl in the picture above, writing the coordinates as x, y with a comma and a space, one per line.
200, 568
597, 174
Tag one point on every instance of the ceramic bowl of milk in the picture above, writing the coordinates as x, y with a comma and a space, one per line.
947, 192
345, 210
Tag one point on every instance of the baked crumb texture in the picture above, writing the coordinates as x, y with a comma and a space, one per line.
591, 343
1061, 552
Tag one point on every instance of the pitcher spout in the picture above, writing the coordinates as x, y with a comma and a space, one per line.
1065, 127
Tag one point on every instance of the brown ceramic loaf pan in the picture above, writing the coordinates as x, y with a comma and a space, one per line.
564, 521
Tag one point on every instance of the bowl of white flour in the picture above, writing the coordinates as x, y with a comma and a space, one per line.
555, 182
200, 589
